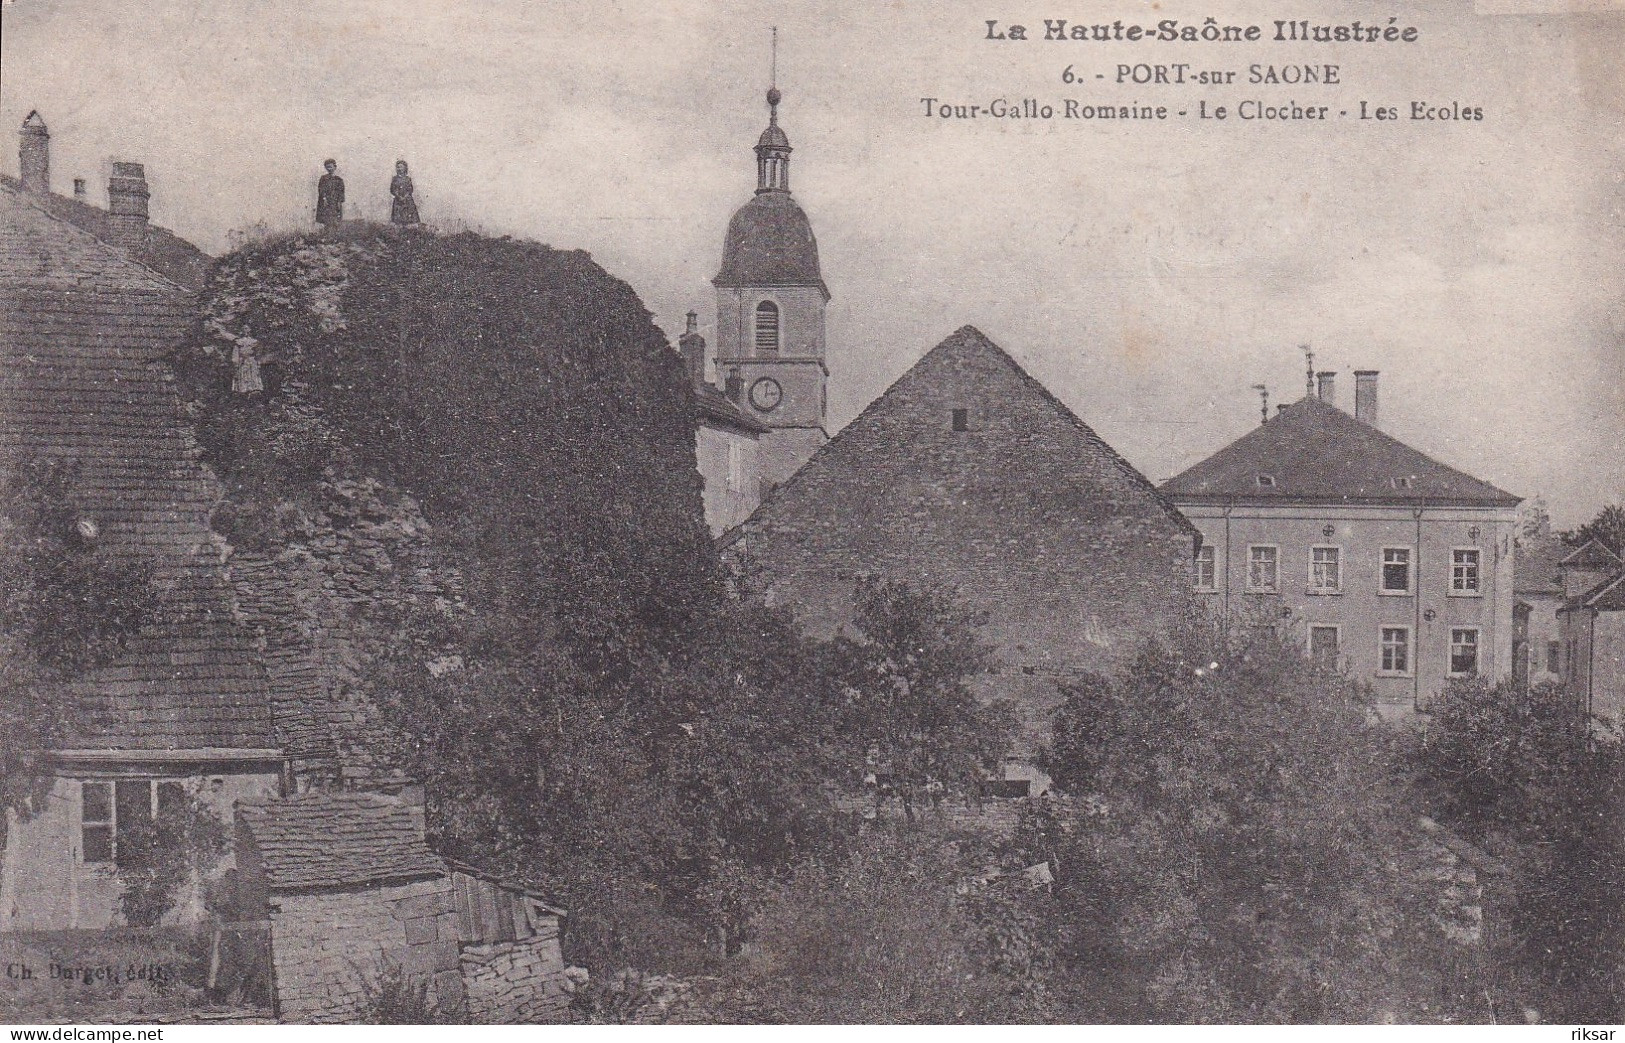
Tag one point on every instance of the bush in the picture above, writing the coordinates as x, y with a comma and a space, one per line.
1521, 773
1236, 821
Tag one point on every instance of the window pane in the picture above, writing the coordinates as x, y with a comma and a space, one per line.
134, 802
96, 844
1464, 651
1554, 657
1395, 650
171, 796
1262, 573
1323, 646
96, 802
1325, 568
1396, 569
1464, 571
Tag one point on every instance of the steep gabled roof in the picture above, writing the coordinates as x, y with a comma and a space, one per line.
1592, 554
160, 249
966, 343
1607, 596
82, 332
322, 840
1311, 452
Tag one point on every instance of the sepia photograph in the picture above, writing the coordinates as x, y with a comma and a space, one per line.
811, 512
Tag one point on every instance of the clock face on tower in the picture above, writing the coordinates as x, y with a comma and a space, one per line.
766, 394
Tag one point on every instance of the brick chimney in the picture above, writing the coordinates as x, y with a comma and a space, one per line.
1326, 386
34, 155
735, 387
1365, 396
693, 348
127, 204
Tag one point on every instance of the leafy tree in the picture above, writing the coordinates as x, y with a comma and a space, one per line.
65, 608
1607, 528
1521, 774
159, 857
1235, 812
907, 673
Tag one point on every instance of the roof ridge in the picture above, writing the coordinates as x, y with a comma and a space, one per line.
1588, 545
1336, 456
731, 536
116, 252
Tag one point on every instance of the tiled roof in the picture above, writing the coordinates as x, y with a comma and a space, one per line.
1607, 596
82, 332
718, 410
160, 249
967, 342
1592, 554
1536, 568
321, 840
1311, 452
770, 243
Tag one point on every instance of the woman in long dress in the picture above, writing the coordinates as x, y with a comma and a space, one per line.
404, 209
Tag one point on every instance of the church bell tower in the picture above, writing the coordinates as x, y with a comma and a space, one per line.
770, 313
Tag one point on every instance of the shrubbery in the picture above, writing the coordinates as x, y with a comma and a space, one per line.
1521, 774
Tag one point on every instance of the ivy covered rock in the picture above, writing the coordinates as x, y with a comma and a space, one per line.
435, 442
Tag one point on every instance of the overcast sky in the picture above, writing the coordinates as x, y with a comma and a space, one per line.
1148, 273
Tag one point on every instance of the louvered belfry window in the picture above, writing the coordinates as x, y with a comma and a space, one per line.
767, 326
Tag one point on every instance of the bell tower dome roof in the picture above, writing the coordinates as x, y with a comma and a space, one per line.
770, 242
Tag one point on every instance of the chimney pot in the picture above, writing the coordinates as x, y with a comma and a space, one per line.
735, 388
692, 346
34, 155
1326, 381
79, 191
1365, 396
127, 204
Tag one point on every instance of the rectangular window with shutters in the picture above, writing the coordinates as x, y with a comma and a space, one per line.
1396, 570
1325, 570
1206, 577
1395, 652
1464, 578
1264, 569
1464, 652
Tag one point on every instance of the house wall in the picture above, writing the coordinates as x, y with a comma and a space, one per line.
1607, 666
732, 489
330, 947
516, 982
1361, 610
1596, 644
45, 883
1544, 627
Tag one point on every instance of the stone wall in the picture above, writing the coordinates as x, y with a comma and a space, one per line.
331, 949
969, 475
516, 982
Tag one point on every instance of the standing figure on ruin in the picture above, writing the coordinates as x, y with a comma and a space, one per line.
330, 196
404, 210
